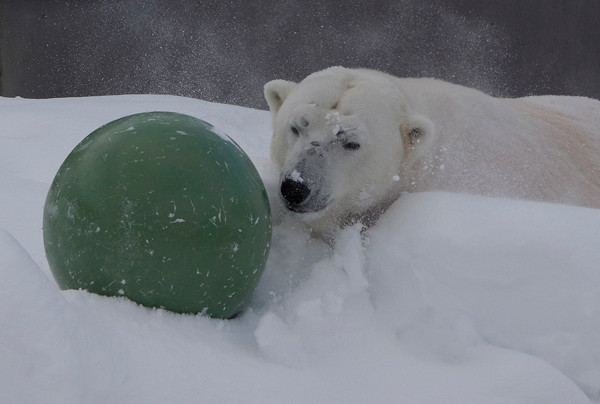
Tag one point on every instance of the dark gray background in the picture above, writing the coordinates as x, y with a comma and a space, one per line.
226, 50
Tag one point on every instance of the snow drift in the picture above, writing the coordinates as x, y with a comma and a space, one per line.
449, 298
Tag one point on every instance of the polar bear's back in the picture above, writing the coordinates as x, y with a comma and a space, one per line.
582, 110
572, 122
571, 104
541, 147
566, 131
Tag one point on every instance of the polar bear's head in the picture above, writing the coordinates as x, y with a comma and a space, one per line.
342, 139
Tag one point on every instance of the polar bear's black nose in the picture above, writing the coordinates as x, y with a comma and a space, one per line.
293, 191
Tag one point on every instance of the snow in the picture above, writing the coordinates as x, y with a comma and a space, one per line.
448, 299
296, 176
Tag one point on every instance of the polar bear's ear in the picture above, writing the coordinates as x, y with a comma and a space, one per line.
417, 128
276, 92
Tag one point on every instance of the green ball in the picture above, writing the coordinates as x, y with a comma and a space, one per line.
161, 209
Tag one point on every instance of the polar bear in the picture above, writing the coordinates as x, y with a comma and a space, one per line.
349, 142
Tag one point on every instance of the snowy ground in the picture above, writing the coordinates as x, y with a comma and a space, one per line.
451, 298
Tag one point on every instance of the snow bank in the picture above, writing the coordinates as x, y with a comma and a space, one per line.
449, 298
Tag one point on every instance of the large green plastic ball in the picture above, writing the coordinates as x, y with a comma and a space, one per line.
159, 208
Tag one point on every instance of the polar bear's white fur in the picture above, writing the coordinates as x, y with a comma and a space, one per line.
349, 142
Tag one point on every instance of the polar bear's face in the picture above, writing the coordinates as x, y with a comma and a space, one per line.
340, 139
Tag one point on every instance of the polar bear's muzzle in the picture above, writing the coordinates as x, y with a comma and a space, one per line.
303, 188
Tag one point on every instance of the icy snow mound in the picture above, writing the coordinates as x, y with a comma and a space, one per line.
449, 298
525, 274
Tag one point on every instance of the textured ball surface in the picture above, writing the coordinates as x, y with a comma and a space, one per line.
159, 208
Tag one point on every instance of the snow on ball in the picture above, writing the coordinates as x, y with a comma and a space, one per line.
161, 209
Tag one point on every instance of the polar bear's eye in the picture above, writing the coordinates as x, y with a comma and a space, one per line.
295, 131
351, 145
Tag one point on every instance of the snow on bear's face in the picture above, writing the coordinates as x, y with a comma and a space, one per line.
340, 139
